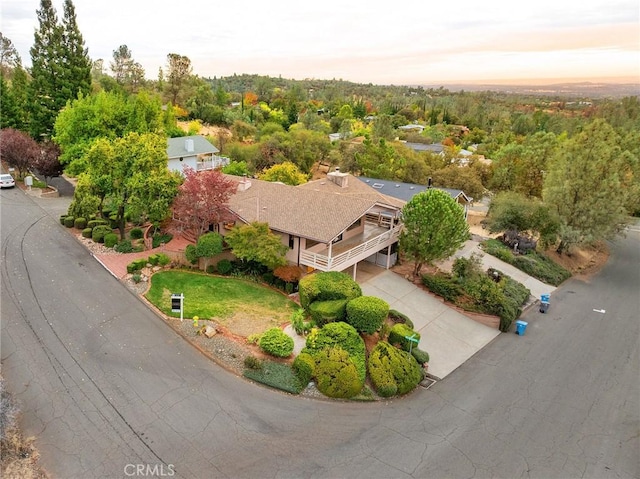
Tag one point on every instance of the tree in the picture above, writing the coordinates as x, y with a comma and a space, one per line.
286, 172
126, 71
434, 228
9, 57
47, 163
584, 185
77, 71
203, 200
19, 150
255, 242
131, 174
179, 70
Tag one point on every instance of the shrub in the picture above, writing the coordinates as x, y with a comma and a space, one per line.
163, 259
99, 233
94, 223
276, 342
288, 273
367, 313
69, 221
398, 334
342, 335
336, 373
252, 362
161, 238
398, 317
275, 375
442, 285
136, 277
110, 240
211, 269
422, 357
136, 233
62, 218
224, 266
80, 223
298, 323
323, 312
304, 368
86, 233
253, 338
464, 268
190, 254
136, 265
153, 259
326, 286
393, 371
124, 246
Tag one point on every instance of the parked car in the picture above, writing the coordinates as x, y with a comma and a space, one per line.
7, 181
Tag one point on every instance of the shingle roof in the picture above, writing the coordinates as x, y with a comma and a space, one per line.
354, 188
176, 147
405, 191
305, 212
434, 147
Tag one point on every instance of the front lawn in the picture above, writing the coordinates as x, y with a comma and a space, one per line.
242, 306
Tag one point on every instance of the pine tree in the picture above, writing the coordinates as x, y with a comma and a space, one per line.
77, 72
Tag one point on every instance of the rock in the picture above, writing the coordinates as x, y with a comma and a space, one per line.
210, 332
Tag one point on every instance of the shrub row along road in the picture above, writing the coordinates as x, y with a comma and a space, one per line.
106, 386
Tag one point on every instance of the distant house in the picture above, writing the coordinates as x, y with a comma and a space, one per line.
437, 148
412, 127
405, 191
195, 152
324, 225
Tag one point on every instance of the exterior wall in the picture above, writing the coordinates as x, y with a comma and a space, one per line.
175, 164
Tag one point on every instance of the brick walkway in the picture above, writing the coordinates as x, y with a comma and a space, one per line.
117, 263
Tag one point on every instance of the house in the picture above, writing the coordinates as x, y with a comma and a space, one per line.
405, 191
413, 127
325, 227
437, 148
195, 152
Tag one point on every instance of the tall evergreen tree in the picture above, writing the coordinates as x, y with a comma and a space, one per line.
46, 72
77, 71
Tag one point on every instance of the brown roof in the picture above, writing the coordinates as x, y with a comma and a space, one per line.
355, 188
305, 212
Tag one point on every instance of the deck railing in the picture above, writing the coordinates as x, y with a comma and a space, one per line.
215, 162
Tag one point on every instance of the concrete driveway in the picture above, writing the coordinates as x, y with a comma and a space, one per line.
449, 337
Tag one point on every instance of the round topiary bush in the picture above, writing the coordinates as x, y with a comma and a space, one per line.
399, 333
367, 313
80, 223
422, 357
398, 317
86, 233
99, 233
136, 233
224, 266
98, 222
304, 368
69, 221
276, 342
327, 286
393, 371
323, 312
336, 373
62, 218
110, 240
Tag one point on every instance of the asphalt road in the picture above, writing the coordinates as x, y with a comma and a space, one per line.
110, 391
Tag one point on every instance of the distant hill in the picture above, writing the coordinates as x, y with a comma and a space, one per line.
576, 90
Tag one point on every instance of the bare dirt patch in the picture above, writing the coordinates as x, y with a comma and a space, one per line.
584, 261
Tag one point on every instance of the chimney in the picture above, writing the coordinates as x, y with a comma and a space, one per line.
188, 145
340, 179
244, 184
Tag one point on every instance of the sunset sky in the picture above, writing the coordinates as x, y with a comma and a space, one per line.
408, 42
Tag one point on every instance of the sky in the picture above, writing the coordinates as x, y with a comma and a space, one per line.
413, 42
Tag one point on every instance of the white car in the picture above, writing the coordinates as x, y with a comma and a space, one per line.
7, 181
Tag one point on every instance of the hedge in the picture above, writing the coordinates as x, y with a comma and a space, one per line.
393, 371
94, 223
69, 221
276, 342
398, 334
110, 240
99, 233
367, 313
336, 373
422, 357
86, 233
80, 223
136, 233
224, 266
323, 312
326, 286
338, 334
443, 286
398, 317
304, 368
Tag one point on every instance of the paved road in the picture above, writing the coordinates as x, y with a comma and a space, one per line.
103, 384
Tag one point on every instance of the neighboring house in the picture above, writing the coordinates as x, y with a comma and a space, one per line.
325, 224
195, 152
405, 191
433, 148
412, 127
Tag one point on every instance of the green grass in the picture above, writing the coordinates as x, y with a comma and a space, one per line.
211, 297
275, 375
534, 263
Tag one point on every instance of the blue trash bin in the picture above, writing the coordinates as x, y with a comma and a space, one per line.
521, 327
545, 298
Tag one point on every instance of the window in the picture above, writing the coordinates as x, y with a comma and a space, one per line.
339, 238
291, 237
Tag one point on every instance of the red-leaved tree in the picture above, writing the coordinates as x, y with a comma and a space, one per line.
18, 149
47, 163
203, 199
